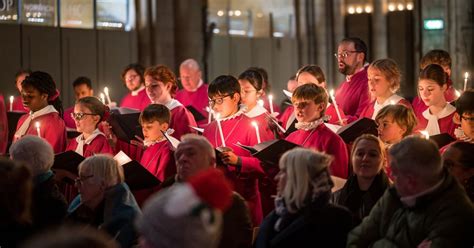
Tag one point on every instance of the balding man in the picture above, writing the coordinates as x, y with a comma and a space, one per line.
426, 208
194, 92
195, 154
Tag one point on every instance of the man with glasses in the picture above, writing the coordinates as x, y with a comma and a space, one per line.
134, 80
353, 94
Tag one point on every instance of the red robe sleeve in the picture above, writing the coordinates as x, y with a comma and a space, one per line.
140, 101
68, 119
333, 118
353, 96
181, 121
198, 99
158, 160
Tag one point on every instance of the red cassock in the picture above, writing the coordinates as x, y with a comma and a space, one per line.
323, 139
181, 121
239, 129
446, 124
52, 129
450, 95
353, 95
18, 105
285, 116
3, 126
158, 160
258, 114
198, 99
139, 101
368, 112
266, 105
99, 145
68, 119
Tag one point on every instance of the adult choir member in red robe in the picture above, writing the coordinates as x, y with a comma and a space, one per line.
384, 80
353, 94
133, 78
40, 95
82, 87
161, 86
194, 92
310, 102
17, 101
239, 166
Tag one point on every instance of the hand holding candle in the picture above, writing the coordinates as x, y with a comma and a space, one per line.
221, 134
37, 124
11, 103
106, 91
331, 94
254, 124
466, 77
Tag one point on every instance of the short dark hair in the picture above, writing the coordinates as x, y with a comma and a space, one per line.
467, 156
435, 73
465, 103
314, 70
253, 77
436, 56
223, 85
264, 74
155, 112
44, 83
359, 45
82, 80
138, 68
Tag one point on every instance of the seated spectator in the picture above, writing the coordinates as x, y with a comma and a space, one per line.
105, 201
15, 199
363, 189
187, 214
427, 207
195, 154
48, 204
459, 159
303, 216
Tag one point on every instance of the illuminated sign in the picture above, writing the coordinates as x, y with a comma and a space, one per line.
433, 24
39, 12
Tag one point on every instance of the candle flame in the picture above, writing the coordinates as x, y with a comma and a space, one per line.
254, 124
11, 98
106, 90
425, 134
260, 103
466, 75
218, 116
37, 124
392, 102
270, 97
458, 94
331, 93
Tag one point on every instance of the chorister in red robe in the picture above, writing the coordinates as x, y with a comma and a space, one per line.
323, 139
3, 126
96, 144
137, 99
353, 95
68, 119
181, 119
450, 95
52, 127
437, 124
289, 115
18, 105
369, 111
158, 160
197, 99
238, 128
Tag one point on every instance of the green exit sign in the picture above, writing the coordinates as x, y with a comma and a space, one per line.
433, 24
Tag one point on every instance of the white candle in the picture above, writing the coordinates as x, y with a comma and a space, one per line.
11, 103
270, 102
37, 124
425, 134
254, 124
466, 77
218, 119
457, 93
331, 93
102, 98
209, 119
106, 91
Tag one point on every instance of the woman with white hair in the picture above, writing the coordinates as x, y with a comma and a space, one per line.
48, 204
104, 200
303, 215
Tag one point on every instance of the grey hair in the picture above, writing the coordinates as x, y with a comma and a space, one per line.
35, 152
202, 142
191, 64
103, 167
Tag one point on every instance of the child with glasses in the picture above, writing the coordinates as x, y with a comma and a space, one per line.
41, 97
464, 116
88, 112
240, 167
161, 85
82, 88
310, 102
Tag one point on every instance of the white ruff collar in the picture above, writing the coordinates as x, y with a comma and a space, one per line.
148, 143
433, 127
306, 126
256, 111
237, 114
173, 104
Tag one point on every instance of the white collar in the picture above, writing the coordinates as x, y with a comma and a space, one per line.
460, 135
81, 142
349, 77
433, 127
148, 143
393, 99
237, 114
306, 126
173, 104
135, 92
255, 111
32, 115
410, 201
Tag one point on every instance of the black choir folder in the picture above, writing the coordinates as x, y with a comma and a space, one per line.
197, 115
68, 161
442, 139
124, 123
13, 118
269, 152
350, 132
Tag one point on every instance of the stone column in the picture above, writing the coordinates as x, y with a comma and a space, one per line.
379, 27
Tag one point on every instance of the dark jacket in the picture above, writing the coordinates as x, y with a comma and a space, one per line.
444, 216
49, 207
360, 202
115, 215
318, 225
237, 225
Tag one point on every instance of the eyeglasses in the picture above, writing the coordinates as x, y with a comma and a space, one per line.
247, 92
469, 119
345, 54
80, 180
218, 100
79, 116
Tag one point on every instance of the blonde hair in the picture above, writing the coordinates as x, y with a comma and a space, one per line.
401, 114
370, 137
390, 71
311, 92
303, 170
104, 167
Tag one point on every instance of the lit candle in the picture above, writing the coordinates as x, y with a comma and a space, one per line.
425, 134
102, 98
254, 124
457, 93
331, 93
466, 77
218, 119
270, 102
37, 124
106, 91
392, 102
209, 119
11, 103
